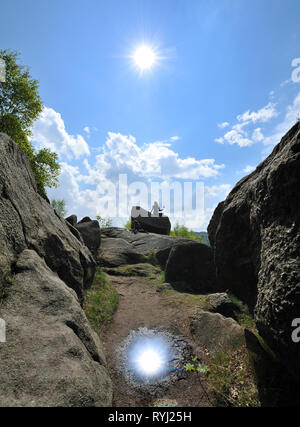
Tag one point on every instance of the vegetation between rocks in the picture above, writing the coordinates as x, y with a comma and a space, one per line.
101, 301
243, 315
20, 105
232, 379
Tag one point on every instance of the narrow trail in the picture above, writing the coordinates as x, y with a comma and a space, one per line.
141, 305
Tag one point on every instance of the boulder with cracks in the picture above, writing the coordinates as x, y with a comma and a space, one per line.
51, 357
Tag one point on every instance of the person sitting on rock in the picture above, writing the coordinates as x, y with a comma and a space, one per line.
155, 209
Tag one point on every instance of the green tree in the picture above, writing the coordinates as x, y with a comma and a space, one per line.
20, 105
128, 224
11, 125
19, 94
104, 222
59, 206
183, 231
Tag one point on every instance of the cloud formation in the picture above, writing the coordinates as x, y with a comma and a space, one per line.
291, 114
49, 131
239, 134
94, 183
121, 154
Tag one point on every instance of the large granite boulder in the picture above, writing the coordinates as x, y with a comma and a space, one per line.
28, 221
51, 356
146, 243
116, 252
217, 332
190, 267
221, 303
91, 234
150, 223
255, 234
87, 231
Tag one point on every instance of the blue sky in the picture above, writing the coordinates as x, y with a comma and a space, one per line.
225, 87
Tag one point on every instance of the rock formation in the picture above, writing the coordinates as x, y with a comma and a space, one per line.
51, 356
27, 221
217, 332
116, 252
145, 243
150, 223
190, 267
255, 236
89, 231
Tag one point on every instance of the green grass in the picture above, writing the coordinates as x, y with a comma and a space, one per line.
150, 258
134, 270
101, 301
243, 314
183, 298
162, 277
232, 379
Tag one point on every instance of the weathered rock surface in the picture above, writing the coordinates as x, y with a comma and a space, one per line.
91, 234
28, 221
150, 223
217, 332
87, 231
116, 252
145, 243
191, 263
52, 357
255, 233
221, 303
72, 219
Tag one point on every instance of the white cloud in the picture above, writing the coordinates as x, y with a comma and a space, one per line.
272, 94
263, 115
249, 169
239, 135
290, 118
239, 138
223, 125
87, 130
220, 140
121, 154
285, 82
257, 135
217, 190
49, 131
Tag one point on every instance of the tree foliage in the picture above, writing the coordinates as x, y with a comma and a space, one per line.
59, 206
183, 231
19, 93
20, 105
11, 125
104, 222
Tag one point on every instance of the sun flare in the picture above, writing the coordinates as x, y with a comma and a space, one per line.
144, 57
149, 362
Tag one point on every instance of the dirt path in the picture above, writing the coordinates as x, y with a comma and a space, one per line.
140, 305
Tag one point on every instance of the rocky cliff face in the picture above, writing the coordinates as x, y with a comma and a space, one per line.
51, 356
255, 237
27, 221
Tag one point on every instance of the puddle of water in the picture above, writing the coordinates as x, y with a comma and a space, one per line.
150, 358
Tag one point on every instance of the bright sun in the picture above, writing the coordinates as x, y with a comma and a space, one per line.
144, 57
